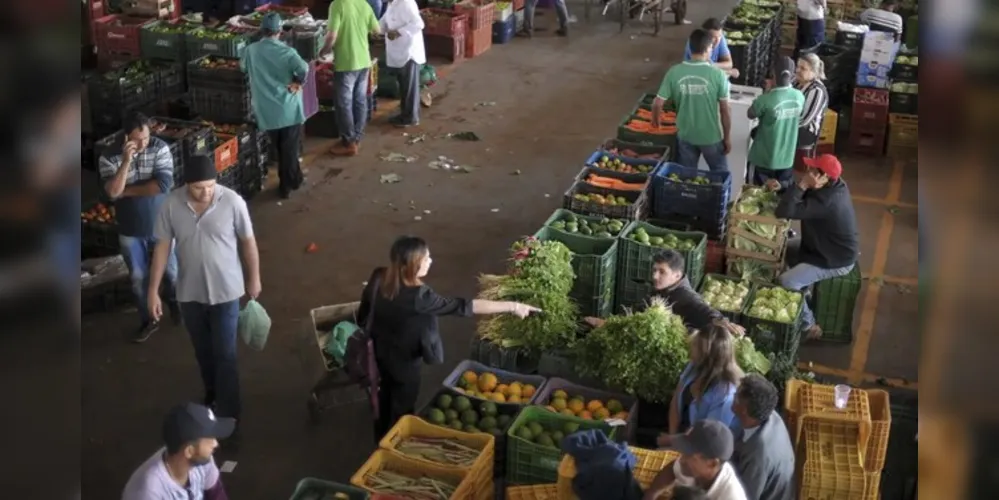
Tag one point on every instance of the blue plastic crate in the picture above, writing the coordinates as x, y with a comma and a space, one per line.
704, 201
503, 31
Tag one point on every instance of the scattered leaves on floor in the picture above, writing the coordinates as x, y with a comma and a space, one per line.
485, 104
397, 157
390, 178
445, 163
414, 138
516, 172
893, 209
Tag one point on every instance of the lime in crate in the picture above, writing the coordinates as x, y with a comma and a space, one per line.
641, 240
594, 262
689, 191
533, 450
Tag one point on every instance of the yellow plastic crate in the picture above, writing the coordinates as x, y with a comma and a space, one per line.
480, 474
648, 464
387, 460
834, 439
827, 134
872, 486
822, 482
903, 131
877, 447
532, 492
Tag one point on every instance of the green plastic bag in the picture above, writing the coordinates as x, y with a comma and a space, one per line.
254, 325
428, 76
337, 345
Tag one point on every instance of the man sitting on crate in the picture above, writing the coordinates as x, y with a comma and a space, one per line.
670, 284
830, 242
276, 74
137, 178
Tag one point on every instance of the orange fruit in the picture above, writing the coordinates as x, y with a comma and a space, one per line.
594, 405
503, 388
567, 412
488, 382
470, 377
576, 405
601, 414
514, 399
497, 397
529, 391
585, 414
516, 389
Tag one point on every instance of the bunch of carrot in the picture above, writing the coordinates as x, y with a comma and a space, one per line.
612, 183
647, 128
665, 116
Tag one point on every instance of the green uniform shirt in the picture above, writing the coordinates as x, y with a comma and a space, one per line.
696, 87
352, 21
272, 65
779, 113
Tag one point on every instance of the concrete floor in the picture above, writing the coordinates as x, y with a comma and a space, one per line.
555, 101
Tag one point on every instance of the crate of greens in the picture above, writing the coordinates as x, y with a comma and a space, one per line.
317, 489
641, 240
688, 191
387, 473
726, 294
771, 318
588, 199
533, 452
165, 40
594, 263
224, 42
754, 231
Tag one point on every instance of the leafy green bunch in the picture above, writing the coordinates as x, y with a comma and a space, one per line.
541, 275
749, 359
642, 353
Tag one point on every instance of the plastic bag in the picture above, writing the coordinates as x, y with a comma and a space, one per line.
337, 345
254, 325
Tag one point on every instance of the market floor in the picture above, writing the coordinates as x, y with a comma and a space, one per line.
540, 107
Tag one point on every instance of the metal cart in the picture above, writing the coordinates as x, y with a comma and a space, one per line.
334, 388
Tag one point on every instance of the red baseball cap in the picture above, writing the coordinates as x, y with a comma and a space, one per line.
827, 164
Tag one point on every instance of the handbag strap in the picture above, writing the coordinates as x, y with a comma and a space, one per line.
372, 298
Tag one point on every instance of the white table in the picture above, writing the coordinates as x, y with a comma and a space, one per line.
741, 99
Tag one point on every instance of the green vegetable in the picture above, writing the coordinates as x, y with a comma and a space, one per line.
751, 270
589, 226
749, 359
775, 304
642, 353
724, 295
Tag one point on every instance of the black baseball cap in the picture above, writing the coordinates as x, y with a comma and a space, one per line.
190, 422
709, 438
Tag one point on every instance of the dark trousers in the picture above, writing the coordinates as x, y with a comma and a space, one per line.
350, 91
810, 35
396, 398
287, 143
409, 90
213, 335
784, 176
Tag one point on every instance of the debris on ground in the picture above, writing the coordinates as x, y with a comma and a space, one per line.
311, 248
414, 138
485, 104
445, 163
516, 172
390, 178
463, 136
494, 210
397, 157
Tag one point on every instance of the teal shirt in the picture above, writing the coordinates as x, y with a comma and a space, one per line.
779, 112
696, 88
272, 65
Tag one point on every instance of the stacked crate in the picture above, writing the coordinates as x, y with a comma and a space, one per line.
117, 38
505, 24
444, 33
827, 134
195, 139
769, 255
903, 136
753, 59
789, 25
634, 263
137, 86
219, 90
868, 121
699, 198
594, 262
834, 303
479, 34
903, 98
841, 70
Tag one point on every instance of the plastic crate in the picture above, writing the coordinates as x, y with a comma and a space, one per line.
106, 296
170, 80
835, 301
119, 34
308, 42
714, 257
628, 135
514, 359
634, 209
221, 105
822, 482
505, 377
195, 137
647, 164
532, 492
503, 31
251, 179
635, 259
648, 465
389, 461
620, 148
827, 134
834, 440
903, 103
630, 403
206, 42
246, 135
904, 72
851, 40
869, 112
862, 142
877, 446
631, 294
480, 474
532, 463
628, 178
562, 214
444, 23
772, 250
772, 336
481, 13
803, 398
686, 198
129, 86
478, 41
200, 76
283, 10
734, 316
312, 488
177, 155
170, 46
230, 177
449, 47
594, 262
324, 82
225, 152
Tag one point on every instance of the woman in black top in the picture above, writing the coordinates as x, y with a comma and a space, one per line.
808, 79
404, 327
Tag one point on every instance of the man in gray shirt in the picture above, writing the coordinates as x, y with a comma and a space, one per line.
184, 469
210, 224
764, 455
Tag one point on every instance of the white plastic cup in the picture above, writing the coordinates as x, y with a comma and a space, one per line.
841, 394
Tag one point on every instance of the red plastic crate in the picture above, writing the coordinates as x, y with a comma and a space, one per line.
119, 34
481, 13
714, 262
449, 47
443, 22
478, 41
227, 152
324, 81
867, 142
870, 110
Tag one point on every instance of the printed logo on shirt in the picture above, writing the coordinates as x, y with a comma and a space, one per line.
787, 110
694, 86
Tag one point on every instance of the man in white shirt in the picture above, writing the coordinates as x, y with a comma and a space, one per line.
403, 27
704, 463
884, 18
811, 25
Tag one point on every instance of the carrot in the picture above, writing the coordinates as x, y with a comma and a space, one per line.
611, 183
646, 114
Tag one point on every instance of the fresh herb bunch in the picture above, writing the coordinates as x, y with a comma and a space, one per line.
642, 353
541, 275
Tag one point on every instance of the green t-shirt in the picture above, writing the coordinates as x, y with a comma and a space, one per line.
352, 21
696, 87
779, 113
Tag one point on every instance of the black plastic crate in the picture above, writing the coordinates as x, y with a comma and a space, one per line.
903, 103
850, 39
707, 202
227, 106
217, 72
904, 73
307, 42
251, 179
231, 177
99, 240
134, 84
195, 137
714, 226
170, 79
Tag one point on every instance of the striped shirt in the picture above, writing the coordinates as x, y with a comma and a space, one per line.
816, 102
136, 215
882, 19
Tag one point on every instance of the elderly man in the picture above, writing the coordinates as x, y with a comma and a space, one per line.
211, 224
276, 74
137, 178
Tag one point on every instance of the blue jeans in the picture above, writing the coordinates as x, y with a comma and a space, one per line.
213, 335
137, 252
689, 155
350, 91
802, 276
761, 175
560, 10
811, 34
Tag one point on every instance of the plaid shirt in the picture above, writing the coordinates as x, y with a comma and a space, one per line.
155, 158
137, 214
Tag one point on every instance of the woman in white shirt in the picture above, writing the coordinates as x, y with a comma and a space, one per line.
811, 25
403, 28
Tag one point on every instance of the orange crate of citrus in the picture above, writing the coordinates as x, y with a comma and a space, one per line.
566, 398
476, 380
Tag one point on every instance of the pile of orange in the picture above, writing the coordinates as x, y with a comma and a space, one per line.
487, 386
577, 406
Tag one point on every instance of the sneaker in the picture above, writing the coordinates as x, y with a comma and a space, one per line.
146, 331
342, 149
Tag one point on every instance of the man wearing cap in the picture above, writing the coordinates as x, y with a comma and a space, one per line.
276, 74
705, 451
211, 225
775, 139
830, 242
184, 467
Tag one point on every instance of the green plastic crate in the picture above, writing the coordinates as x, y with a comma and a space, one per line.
562, 214
311, 488
530, 463
835, 301
201, 42
734, 316
624, 134
594, 261
771, 336
631, 294
635, 259
158, 45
